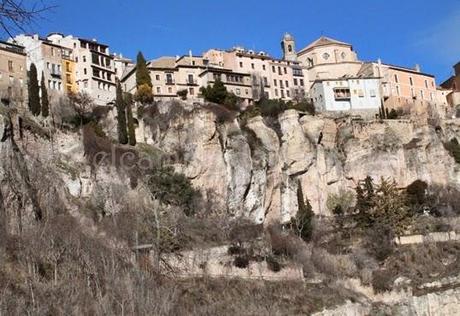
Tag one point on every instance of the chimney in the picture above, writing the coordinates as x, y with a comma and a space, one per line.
417, 68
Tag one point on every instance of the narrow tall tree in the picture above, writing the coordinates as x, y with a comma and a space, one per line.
121, 116
142, 73
34, 93
45, 100
129, 116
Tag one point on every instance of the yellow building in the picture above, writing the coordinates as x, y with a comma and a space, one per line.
69, 66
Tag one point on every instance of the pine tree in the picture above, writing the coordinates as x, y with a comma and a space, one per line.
129, 116
121, 116
142, 73
45, 100
34, 93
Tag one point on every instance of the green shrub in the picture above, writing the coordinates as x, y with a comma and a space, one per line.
341, 202
217, 93
183, 94
173, 188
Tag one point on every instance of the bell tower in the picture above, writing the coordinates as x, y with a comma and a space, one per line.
288, 47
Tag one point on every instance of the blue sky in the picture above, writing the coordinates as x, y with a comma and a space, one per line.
403, 32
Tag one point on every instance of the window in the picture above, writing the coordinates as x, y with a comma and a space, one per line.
238, 91
84, 59
169, 79
193, 63
279, 71
273, 69
326, 56
301, 82
253, 66
275, 82
421, 94
285, 70
157, 77
158, 90
290, 48
282, 94
246, 91
263, 67
411, 81
10, 66
190, 79
342, 93
241, 64
169, 90
276, 92
398, 91
372, 93
265, 81
52, 51
396, 78
281, 84
11, 79
426, 84
84, 71
343, 55
287, 84
288, 94
295, 82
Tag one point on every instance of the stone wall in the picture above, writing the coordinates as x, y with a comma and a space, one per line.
216, 262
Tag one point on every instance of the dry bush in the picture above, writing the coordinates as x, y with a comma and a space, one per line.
336, 266
382, 280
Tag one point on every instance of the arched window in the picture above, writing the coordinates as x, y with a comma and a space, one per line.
290, 48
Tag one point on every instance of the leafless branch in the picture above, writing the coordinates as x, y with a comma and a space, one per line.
16, 15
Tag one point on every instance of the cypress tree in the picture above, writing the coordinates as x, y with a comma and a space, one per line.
129, 116
34, 93
142, 73
45, 100
121, 116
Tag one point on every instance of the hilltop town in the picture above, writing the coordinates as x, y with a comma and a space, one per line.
229, 183
327, 72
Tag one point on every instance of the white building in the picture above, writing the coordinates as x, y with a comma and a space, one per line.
95, 73
355, 94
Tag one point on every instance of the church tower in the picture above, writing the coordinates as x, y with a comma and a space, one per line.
288, 47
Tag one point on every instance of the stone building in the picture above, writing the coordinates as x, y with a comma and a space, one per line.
327, 58
13, 72
453, 84
48, 57
269, 77
401, 87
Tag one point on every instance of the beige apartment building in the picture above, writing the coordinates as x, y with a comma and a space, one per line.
268, 76
13, 73
95, 67
401, 87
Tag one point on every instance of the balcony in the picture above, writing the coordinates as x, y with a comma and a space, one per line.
170, 82
56, 74
192, 82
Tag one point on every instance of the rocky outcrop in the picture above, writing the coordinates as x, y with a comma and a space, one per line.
254, 170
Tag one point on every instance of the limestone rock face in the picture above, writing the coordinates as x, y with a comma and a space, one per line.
250, 168
254, 170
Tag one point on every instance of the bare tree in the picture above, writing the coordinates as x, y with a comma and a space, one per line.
15, 15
